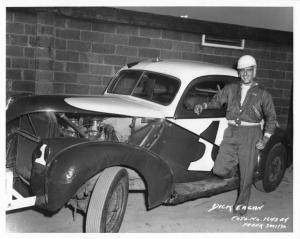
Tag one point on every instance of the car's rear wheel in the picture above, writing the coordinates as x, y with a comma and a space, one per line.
108, 201
274, 169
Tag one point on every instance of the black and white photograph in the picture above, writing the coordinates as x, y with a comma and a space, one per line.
149, 118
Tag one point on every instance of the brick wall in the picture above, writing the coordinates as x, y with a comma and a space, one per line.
51, 54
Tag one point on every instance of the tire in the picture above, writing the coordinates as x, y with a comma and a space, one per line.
108, 201
274, 169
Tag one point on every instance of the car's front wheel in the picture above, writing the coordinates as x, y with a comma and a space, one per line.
274, 169
108, 201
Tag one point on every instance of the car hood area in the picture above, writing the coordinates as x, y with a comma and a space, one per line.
121, 105
104, 105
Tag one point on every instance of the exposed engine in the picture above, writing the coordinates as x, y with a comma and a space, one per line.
99, 128
90, 127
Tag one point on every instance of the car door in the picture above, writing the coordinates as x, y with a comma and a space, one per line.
209, 126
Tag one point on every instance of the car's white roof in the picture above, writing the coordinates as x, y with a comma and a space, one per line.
185, 70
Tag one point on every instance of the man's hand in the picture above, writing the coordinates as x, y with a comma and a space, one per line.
198, 109
261, 144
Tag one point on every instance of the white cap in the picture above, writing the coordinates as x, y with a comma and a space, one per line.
246, 61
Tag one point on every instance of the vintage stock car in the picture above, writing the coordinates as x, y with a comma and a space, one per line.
141, 134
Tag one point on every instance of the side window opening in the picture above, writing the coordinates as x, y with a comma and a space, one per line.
202, 92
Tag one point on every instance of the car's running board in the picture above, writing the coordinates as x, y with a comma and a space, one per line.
188, 191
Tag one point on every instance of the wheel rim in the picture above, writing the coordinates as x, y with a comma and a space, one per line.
114, 209
275, 169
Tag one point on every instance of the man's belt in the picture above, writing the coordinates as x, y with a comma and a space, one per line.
242, 123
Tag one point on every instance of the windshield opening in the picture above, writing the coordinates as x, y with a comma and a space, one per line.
150, 86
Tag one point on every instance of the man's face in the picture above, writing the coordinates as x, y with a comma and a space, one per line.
247, 75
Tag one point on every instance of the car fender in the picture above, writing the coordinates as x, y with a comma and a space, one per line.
72, 167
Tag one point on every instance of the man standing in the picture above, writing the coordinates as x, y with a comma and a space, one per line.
248, 104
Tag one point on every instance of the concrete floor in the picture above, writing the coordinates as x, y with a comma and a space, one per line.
274, 214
